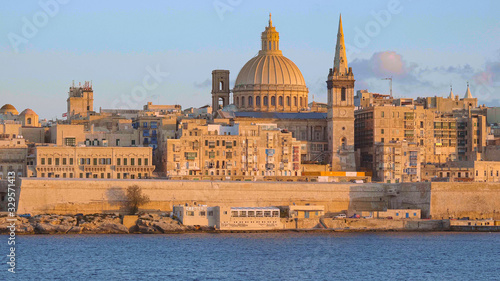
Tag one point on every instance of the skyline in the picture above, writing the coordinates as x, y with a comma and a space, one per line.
127, 43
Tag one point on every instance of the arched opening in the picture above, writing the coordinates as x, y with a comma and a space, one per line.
344, 143
257, 101
300, 101
221, 85
288, 101
294, 101
250, 101
269, 46
343, 94
242, 101
28, 121
273, 101
221, 103
266, 102
280, 101
237, 101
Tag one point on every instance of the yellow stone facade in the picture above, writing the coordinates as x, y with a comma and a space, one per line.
92, 162
256, 150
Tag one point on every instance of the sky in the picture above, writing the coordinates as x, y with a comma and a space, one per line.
165, 51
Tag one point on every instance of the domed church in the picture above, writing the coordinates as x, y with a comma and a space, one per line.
270, 89
270, 81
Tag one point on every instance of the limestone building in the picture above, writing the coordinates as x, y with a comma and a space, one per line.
92, 162
231, 151
80, 101
397, 161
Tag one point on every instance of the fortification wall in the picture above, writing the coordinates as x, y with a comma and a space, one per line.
458, 200
63, 196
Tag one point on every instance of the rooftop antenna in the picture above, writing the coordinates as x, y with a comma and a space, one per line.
390, 83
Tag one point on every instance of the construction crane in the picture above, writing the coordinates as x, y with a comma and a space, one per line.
390, 83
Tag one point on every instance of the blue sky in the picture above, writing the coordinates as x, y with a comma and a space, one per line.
424, 45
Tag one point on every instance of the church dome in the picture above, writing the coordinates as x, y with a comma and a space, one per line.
270, 81
28, 111
270, 70
8, 108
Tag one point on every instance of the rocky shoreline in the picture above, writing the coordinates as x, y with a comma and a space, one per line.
94, 224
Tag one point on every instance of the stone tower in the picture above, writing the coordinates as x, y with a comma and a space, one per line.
220, 89
80, 101
340, 115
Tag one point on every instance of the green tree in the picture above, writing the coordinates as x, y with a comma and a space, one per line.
135, 198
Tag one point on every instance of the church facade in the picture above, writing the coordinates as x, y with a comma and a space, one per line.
271, 89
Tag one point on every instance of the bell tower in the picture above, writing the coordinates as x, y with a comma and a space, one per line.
220, 89
340, 114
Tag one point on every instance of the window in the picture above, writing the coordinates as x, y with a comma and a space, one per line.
267, 214
125, 161
190, 213
118, 161
300, 101
257, 101
382, 131
280, 101
242, 101
139, 161
266, 103
70, 141
259, 214
382, 114
343, 94
64, 161
203, 213
146, 161
132, 161
42, 160
234, 214
294, 101
117, 142
49, 161
288, 101
273, 101
250, 101
29, 121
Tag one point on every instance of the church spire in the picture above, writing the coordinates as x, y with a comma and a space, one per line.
270, 20
451, 96
340, 62
468, 95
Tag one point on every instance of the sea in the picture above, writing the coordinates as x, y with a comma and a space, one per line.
256, 256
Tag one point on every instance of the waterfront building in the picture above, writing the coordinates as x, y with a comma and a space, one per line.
13, 153
305, 211
91, 162
462, 171
199, 215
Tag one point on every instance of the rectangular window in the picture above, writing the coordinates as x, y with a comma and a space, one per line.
109, 175
133, 142
70, 141
57, 161
124, 161
49, 161
259, 214
64, 161
95, 161
71, 161
146, 161
118, 161
139, 161
118, 175
42, 160
117, 142
132, 161
234, 214
203, 213
267, 214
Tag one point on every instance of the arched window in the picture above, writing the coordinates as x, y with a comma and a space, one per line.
237, 101
344, 143
300, 101
342, 94
242, 101
280, 101
294, 101
269, 46
288, 101
250, 101
28, 121
257, 101
265, 101
273, 101
221, 85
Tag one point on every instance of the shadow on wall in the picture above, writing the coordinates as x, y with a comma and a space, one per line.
117, 198
380, 197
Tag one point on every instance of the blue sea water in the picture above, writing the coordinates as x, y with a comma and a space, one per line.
257, 256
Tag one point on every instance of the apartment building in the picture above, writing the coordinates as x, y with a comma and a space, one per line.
232, 150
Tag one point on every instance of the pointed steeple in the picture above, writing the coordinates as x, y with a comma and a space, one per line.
340, 61
468, 95
451, 96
